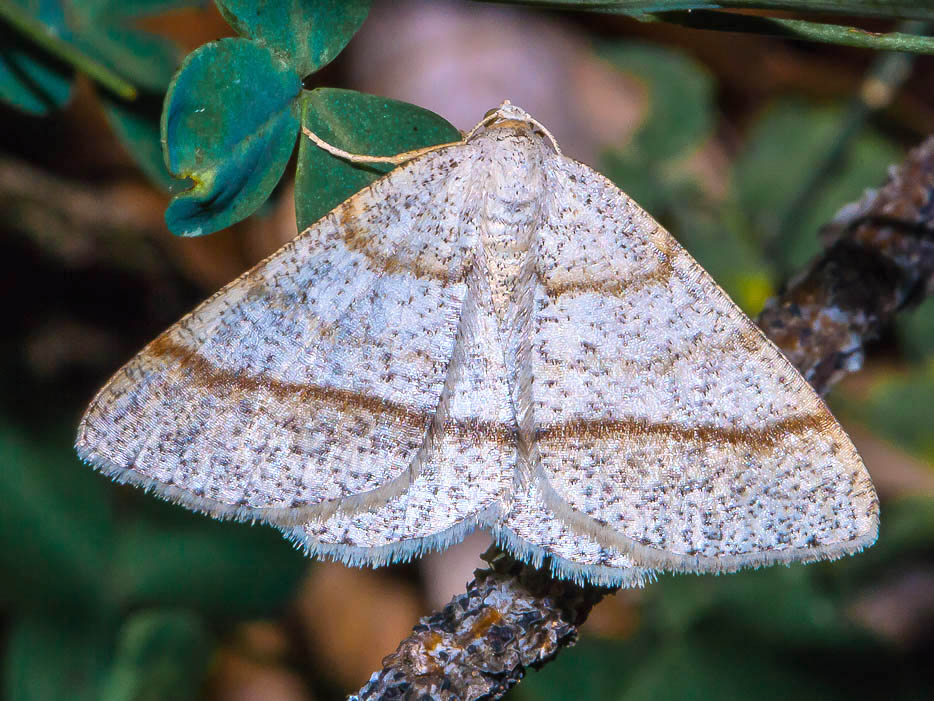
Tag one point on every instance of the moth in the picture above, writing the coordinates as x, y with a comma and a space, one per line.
491, 335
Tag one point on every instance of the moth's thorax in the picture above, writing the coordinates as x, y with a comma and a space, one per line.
512, 160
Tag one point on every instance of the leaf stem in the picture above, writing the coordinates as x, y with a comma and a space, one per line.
890, 9
904, 41
65, 51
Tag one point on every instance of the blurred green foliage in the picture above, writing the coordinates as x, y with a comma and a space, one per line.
160, 654
780, 154
916, 333
111, 594
651, 168
45, 41
227, 167
77, 568
895, 408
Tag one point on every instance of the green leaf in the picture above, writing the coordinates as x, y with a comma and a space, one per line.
136, 124
229, 124
53, 658
160, 655
308, 35
30, 78
56, 530
788, 142
171, 557
680, 91
361, 124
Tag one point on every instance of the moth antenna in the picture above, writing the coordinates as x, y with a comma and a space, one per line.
397, 159
543, 130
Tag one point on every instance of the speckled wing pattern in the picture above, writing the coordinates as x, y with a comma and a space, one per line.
490, 335
316, 379
696, 445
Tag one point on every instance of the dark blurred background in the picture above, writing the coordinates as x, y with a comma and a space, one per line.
743, 146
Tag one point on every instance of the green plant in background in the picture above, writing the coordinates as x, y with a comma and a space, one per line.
232, 112
99, 596
127, 603
46, 41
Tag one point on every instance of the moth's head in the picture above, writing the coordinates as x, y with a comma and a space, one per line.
514, 119
508, 112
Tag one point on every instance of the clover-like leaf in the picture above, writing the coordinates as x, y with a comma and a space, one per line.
358, 123
306, 34
229, 124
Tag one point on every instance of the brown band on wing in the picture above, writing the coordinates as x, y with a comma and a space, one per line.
212, 378
359, 240
767, 436
489, 431
207, 375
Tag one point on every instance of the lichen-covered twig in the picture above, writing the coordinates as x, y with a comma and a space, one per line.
879, 259
513, 616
